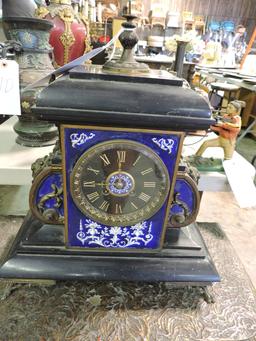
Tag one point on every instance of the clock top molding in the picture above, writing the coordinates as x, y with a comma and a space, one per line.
91, 95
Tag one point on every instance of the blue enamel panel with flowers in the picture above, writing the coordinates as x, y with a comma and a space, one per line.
85, 233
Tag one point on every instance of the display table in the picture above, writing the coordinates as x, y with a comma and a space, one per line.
16, 160
213, 181
15, 170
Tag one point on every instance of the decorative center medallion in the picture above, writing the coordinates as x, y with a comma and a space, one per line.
120, 183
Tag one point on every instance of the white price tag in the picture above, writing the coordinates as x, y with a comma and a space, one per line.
9, 88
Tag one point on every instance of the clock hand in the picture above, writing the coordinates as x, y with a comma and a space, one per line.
100, 184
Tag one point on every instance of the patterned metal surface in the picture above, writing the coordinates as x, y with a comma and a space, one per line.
136, 311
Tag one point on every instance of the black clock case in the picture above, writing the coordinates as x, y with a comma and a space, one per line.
86, 96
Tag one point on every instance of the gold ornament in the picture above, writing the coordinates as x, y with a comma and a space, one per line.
67, 38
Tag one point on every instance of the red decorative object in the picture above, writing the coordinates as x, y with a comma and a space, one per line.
104, 39
68, 37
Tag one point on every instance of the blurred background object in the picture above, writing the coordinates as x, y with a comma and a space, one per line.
19, 8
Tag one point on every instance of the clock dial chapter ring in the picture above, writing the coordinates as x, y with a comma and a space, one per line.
119, 182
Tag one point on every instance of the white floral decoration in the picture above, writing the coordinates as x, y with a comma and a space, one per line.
79, 139
164, 144
91, 232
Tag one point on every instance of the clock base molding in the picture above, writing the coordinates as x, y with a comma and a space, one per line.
39, 253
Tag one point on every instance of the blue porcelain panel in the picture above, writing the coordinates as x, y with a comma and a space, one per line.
186, 195
50, 186
86, 233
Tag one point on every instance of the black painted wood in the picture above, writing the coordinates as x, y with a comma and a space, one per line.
162, 77
88, 97
40, 253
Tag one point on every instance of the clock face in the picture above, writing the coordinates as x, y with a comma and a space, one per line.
119, 182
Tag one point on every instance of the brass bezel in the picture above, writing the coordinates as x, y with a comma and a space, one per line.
169, 199
88, 207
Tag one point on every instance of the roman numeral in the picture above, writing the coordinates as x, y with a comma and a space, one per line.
145, 197
121, 155
135, 162
146, 171
118, 209
95, 171
93, 196
104, 206
133, 205
149, 184
89, 183
105, 159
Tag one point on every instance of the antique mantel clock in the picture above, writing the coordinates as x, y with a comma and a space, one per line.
114, 200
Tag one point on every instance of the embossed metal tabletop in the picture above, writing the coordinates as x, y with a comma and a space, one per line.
115, 311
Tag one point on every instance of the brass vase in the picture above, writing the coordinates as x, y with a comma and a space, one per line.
34, 63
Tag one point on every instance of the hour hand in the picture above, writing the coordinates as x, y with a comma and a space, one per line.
102, 184
119, 166
93, 184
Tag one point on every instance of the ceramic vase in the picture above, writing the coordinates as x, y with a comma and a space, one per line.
34, 63
68, 37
